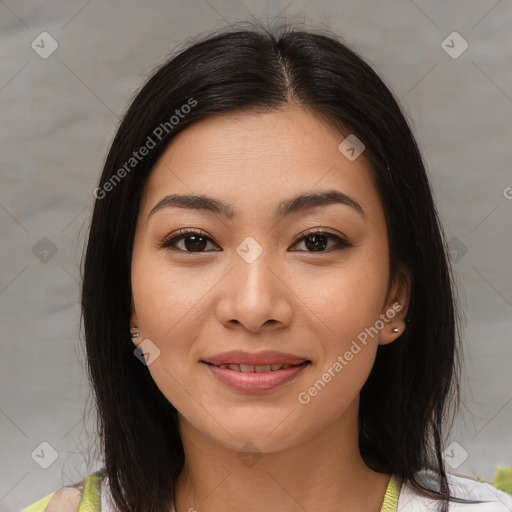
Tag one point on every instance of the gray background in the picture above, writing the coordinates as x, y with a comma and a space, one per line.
59, 115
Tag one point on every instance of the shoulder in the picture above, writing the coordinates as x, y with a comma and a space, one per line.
85, 495
488, 497
66, 499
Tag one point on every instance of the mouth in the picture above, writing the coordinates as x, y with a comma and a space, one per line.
259, 362
257, 368
265, 377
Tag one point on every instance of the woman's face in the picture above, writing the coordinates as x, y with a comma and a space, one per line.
255, 279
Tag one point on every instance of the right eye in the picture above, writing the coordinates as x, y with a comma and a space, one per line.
193, 241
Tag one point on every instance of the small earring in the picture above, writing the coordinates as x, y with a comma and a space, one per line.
396, 329
135, 334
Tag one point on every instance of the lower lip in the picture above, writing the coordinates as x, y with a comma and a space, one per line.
255, 382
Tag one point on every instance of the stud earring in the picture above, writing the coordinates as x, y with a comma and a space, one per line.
396, 329
135, 334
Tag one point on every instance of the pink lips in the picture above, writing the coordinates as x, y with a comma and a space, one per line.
255, 381
258, 358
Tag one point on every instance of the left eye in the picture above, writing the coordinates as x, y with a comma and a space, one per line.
317, 241
195, 241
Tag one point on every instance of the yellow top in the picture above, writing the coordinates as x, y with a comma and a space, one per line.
90, 501
390, 503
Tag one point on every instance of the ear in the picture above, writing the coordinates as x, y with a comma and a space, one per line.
134, 324
396, 307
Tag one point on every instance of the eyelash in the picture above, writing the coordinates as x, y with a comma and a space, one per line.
182, 234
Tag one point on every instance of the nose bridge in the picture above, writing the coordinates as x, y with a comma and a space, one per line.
255, 294
252, 269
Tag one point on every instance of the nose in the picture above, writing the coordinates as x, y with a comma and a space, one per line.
255, 295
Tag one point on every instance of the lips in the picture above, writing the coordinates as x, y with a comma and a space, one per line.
256, 382
260, 372
252, 368
259, 362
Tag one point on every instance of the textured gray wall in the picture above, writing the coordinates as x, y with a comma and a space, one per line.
59, 114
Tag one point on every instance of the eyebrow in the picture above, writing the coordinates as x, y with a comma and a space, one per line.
300, 203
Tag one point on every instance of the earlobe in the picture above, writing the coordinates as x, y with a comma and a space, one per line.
135, 334
392, 331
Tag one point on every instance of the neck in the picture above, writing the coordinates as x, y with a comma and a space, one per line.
324, 472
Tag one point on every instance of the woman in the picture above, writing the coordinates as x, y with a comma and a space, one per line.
268, 305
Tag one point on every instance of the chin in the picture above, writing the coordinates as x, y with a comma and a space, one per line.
255, 437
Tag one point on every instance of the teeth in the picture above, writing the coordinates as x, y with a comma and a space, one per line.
258, 368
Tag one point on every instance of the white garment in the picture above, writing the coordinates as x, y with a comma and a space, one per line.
410, 501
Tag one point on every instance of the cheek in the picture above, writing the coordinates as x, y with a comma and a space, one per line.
347, 308
167, 301
166, 295
345, 299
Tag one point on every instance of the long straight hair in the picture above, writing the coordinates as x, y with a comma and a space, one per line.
405, 403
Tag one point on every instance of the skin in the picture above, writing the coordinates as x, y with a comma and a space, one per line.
292, 299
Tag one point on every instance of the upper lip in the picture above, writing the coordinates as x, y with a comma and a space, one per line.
258, 358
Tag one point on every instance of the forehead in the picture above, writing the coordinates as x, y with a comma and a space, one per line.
257, 159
